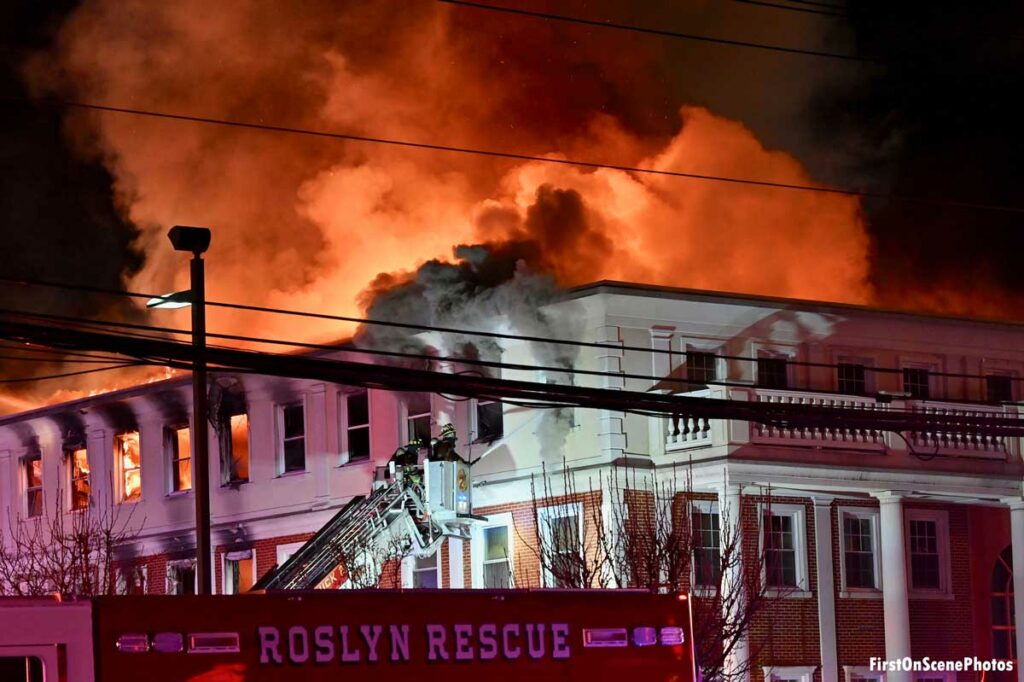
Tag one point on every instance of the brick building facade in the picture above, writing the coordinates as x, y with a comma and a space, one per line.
882, 545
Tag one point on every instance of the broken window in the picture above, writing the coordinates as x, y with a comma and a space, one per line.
178, 445
292, 427
78, 472
417, 409
34, 485
129, 465
131, 579
181, 576
490, 420
357, 425
234, 443
238, 572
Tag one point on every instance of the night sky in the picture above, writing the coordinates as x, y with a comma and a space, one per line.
87, 198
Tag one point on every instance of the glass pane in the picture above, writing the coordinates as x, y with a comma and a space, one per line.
244, 575
358, 409
294, 423
80, 493
497, 576
426, 561
565, 533
1001, 643
998, 388
240, 447
79, 463
496, 543
183, 474
35, 502
184, 447
359, 443
1000, 615
295, 454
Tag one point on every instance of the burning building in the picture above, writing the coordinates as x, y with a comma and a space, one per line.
870, 544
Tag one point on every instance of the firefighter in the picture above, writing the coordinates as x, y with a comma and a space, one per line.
442, 448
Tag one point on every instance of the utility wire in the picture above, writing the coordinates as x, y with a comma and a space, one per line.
667, 381
580, 163
434, 328
46, 377
806, 10
659, 32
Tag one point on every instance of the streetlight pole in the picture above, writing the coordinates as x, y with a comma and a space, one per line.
197, 240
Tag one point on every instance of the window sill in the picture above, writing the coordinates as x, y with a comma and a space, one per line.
292, 474
235, 485
934, 595
788, 593
179, 493
355, 462
860, 593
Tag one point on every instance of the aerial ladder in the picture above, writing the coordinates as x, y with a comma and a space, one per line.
423, 495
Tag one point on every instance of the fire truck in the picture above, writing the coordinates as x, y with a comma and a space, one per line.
381, 635
297, 624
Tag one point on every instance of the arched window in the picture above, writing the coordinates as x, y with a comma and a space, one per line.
1003, 640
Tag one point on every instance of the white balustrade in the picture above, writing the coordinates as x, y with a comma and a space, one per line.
819, 436
988, 446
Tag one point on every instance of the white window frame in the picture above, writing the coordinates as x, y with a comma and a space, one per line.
544, 517
120, 471
798, 512
404, 435
121, 583
345, 427
478, 547
236, 555
712, 346
876, 551
172, 455
226, 479
868, 362
862, 673
284, 552
474, 420
771, 351
24, 462
941, 519
279, 437
409, 569
704, 507
932, 363
803, 673
69, 477
177, 563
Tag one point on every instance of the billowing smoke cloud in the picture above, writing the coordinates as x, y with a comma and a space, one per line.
308, 223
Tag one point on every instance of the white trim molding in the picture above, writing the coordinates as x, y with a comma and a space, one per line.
803, 673
873, 515
940, 518
544, 517
478, 547
862, 673
798, 513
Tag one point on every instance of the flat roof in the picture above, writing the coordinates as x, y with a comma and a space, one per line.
756, 300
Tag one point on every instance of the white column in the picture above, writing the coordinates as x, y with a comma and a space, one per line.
1017, 544
894, 581
456, 570
826, 589
730, 522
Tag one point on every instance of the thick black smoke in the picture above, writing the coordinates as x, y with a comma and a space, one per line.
937, 121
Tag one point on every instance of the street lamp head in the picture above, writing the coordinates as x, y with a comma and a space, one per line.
193, 239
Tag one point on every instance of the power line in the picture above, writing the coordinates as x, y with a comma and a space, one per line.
659, 32
430, 328
667, 382
806, 10
581, 163
794, 416
54, 360
46, 377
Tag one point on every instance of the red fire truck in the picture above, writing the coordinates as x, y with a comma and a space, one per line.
381, 635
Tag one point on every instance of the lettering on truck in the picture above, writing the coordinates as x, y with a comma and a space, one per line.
324, 644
